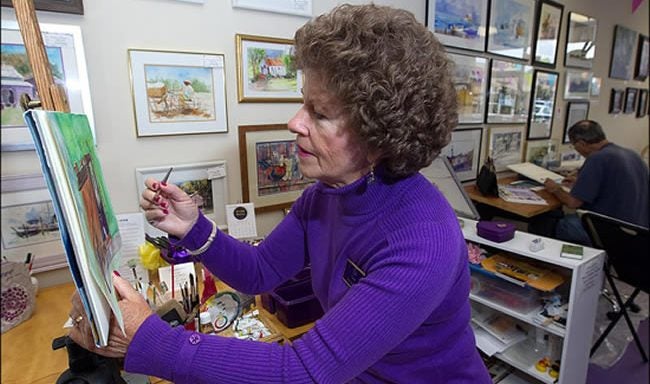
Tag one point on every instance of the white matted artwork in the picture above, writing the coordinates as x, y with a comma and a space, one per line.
207, 182
177, 93
458, 23
506, 145
543, 152
470, 81
464, 152
509, 92
289, 7
576, 111
29, 224
65, 52
577, 85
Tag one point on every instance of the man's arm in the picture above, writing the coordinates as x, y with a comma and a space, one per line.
562, 195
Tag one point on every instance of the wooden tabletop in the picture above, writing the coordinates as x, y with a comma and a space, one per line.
524, 210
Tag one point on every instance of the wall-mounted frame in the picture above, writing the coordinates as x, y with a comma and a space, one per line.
464, 152
458, 25
594, 90
576, 111
266, 70
270, 176
642, 64
620, 66
577, 85
543, 152
178, 93
65, 52
580, 41
642, 107
506, 145
616, 100
442, 175
208, 181
549, 21
509, 92
543, 105
630, 100
470, 81
62, 6
511, 28
29, 223
287, 7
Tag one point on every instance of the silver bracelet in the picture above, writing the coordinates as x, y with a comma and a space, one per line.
207, 244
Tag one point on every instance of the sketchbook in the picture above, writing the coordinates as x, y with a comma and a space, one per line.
88, 225
535, 172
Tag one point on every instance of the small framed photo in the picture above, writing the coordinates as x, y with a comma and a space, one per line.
65, 51
511, 28
206, 182
580, 41
642, 58
509, 92
266, 70
543, 152
458, 26
62, 6
543, 105
577, 85
506, 145
630, 100
270, 176
594, 90
576, 111
287, 7
464, 152
178, 93
642, 107
616, 101
29, 223
622, 52
549, 20
470, 81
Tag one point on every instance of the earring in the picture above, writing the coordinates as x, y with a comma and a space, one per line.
371, 175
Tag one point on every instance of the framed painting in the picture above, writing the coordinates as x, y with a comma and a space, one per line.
61, 6
577, 85
580, 41
470, 81
458, 23
630, 100
511, 28
287, 7
594, 90
206, 182
509, 92
642, 60
549, 20
616, 101
65, 53
178, 93
464, 152
266, 70
29, 224
543, 152
543, 105
506, 146
620, 66
576, 111
270, 176
643, 103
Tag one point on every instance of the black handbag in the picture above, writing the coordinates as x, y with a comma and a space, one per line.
487, 179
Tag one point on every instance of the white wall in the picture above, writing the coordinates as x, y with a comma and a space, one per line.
111, 27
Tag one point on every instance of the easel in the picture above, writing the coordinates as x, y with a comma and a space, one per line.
84, 366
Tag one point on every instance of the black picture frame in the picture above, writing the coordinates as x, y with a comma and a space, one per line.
457, 29
616, 101
505, 104
630, 100
642, 65
61, 6
545, 27
503, 25
620, 65
576, 111
642, 106
580, 48
542, 105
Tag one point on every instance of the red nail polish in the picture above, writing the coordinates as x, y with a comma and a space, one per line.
163, 184
154, 186
166, 212
164, 204
156, 199
116, 273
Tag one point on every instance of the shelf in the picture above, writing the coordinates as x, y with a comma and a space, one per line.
522, 357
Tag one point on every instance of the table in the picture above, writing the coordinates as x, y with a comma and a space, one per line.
525, 211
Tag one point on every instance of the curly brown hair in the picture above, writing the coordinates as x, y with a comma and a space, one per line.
392, 75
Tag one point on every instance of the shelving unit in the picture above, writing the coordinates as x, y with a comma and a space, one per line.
585, 283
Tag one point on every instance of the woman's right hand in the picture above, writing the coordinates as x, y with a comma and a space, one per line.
171, 210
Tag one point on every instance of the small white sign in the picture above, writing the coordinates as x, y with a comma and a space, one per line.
241, 220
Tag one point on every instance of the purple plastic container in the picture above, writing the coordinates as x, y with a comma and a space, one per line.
496, 231
296, 305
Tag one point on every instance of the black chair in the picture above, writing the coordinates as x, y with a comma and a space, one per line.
627, 247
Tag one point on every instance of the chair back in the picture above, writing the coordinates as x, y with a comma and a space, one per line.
626, 245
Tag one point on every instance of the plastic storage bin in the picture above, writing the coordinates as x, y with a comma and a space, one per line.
520, 299
295, 304
268, 302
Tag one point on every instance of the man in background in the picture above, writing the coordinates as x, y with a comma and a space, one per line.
613, 181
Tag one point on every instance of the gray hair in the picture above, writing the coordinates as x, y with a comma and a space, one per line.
588, 131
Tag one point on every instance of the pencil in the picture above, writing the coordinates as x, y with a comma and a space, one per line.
163, 181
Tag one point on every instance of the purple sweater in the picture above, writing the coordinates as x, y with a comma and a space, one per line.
406, 321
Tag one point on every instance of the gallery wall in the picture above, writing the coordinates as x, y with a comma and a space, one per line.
110, 28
